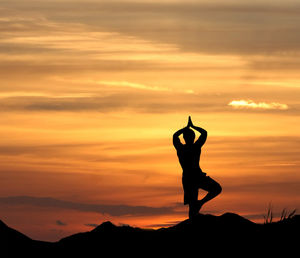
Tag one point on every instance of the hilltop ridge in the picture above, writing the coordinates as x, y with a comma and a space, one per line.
205, 234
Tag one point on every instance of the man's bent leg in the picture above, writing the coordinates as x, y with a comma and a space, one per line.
213, 188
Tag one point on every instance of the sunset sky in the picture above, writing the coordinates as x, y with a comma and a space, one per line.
91, 92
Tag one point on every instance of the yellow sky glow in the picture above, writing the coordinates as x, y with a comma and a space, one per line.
92, 92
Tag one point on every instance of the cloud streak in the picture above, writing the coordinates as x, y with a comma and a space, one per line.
130, 99
60, 223
138, 98
93, 225
113, 210
193, 26
133, 85
250, 104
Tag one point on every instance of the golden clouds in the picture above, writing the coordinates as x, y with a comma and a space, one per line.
260, 105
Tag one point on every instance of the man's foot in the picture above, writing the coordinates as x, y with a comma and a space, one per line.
193, 215
193, 211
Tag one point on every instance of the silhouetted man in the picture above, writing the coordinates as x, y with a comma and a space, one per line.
192, 176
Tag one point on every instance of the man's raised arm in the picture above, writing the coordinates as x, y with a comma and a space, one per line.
176, 140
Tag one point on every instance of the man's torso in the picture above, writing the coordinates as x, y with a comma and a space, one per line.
189, 158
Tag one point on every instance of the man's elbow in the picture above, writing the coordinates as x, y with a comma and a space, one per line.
175, 135
204, 136
175, 140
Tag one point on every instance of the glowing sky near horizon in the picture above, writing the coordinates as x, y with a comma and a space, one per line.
91, 93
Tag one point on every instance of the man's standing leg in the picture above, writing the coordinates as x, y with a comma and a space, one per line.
193, 202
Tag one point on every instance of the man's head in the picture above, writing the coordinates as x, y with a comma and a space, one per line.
188, 136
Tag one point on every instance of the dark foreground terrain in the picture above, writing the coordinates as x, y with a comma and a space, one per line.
204, 236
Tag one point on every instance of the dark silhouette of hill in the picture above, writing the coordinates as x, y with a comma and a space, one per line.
13, 242
228, 234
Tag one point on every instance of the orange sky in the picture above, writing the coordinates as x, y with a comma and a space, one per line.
92, 92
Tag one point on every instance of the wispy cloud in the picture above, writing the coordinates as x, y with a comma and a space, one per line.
167, 224
133, 85
166, 23
113, 210
60, 223
134, 97
141, 86
93, 225
250, 104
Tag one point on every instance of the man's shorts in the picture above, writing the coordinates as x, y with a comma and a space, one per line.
192, 184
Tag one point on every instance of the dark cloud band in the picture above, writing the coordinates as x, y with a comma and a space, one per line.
113, 210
